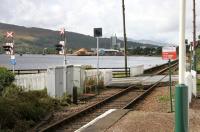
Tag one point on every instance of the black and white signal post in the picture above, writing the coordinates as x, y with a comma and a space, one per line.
9, 48
61, 46
97, 34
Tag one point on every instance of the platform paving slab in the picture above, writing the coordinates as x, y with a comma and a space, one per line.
144, 80
140, 121
104, 123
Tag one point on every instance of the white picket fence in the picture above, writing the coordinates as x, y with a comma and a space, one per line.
32, 81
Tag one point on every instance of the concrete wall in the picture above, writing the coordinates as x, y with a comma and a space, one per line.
61, 79
104, 75
32, 81
136, 70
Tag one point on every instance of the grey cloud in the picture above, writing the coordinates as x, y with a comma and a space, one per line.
154, 19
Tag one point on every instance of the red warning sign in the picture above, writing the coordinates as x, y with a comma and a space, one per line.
169, 53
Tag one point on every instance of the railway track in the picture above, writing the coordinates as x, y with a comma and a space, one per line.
154, 70
124, 99
174, 67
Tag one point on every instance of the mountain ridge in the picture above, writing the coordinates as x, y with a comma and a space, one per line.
39, 38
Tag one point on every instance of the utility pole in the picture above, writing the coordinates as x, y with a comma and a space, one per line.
125, 39
194, 35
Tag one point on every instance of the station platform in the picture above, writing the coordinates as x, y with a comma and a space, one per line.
144, 80
138, 121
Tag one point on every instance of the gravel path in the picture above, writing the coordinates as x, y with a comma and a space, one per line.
157, 101
152, 115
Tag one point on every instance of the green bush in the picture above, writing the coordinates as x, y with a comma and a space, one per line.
7, 115
12, 91
64, 100
6, 78
20, 110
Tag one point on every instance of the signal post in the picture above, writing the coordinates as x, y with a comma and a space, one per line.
97, 34
61, 46
9, 48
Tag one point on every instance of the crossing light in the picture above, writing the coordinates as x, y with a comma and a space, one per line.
60, 47
8, 47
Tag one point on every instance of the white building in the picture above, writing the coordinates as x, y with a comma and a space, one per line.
114, 43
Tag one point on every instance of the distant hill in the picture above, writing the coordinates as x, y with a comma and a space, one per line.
38, 38
154, 43
151, 42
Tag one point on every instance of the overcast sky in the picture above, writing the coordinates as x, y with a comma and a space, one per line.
145, 19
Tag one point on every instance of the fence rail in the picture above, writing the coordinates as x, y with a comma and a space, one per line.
29, 71
118, 72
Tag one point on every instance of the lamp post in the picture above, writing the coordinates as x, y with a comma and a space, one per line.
181, 97
125, 39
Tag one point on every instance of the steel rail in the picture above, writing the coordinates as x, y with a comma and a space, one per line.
97, 105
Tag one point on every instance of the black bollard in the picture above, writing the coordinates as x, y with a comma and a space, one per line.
75, 95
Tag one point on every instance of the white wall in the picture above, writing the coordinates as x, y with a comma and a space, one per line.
106, 75
32, 81
136, 70
59, 80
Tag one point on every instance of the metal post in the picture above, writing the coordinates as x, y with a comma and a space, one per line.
96, 90
125, 39
181, 97
13, 53
191, 55
65, 54
182, 55
170, 85
13, 69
